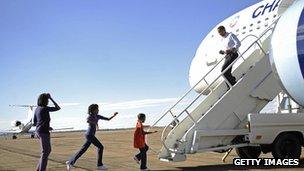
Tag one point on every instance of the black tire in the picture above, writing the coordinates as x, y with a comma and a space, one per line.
32, 135
14, 137
249, 152
287, 146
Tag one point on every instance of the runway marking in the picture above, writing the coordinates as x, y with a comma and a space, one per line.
37, 156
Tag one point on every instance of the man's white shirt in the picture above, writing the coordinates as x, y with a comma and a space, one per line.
230, 41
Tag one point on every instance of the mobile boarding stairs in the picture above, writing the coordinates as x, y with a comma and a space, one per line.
216, 122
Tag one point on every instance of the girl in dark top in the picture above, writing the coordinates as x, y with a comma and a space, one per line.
42, 123
92, 120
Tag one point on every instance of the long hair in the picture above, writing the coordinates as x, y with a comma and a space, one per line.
43, 100
91, 108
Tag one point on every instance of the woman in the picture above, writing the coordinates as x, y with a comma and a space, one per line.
92, 120
42, 123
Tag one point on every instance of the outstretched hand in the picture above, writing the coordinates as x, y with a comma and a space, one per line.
152, 132
116, 113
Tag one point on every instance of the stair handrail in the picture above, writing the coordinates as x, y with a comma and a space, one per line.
182, 97
209, 85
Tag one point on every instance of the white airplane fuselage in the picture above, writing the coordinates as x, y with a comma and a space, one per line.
247, 25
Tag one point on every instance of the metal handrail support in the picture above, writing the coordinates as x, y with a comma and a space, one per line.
249, 35
186, 94
209, 85
190, 116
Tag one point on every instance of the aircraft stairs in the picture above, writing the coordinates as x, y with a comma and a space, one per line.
216, 121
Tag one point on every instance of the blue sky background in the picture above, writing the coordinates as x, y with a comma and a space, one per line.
101, 51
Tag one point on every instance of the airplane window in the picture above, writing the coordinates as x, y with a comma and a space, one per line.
212, 36
259, 22
266, 25
250, 30
251, 25
243, 32
258, 27
274, 16
244, 27
266, 19
237, 30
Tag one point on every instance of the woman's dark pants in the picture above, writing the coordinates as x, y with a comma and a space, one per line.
45, 146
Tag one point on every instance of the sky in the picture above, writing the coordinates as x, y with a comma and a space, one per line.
130, 56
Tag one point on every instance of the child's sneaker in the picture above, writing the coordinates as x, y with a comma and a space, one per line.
68, 165
103, 167
136, 159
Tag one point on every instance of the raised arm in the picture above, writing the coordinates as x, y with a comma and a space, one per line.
151, 132
107, 119
147, 132
57, 107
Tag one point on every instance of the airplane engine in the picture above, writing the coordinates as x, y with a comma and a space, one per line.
16, 123
287, 51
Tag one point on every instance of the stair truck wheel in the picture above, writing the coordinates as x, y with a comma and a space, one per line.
287, 146
249, 152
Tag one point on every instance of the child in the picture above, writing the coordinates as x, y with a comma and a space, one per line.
90, 137
139, 142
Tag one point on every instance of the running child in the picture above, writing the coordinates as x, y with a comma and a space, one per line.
140, 142
92, 120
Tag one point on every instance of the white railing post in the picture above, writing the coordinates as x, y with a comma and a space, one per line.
190, 117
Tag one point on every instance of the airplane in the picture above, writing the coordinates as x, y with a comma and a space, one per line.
24, 127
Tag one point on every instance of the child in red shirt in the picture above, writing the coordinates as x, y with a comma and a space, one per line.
140, 142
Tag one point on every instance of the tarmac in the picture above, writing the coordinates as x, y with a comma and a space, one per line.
23, 154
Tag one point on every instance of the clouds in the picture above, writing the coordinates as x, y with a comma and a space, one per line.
127, 113
69, 104
135, 104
